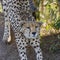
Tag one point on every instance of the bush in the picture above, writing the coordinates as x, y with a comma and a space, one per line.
56, 24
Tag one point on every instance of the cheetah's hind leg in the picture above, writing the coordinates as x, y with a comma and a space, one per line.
7, 33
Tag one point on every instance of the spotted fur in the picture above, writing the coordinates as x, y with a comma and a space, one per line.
15, 12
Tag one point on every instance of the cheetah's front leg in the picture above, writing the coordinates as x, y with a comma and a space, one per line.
36, 45
7, 33
21, 45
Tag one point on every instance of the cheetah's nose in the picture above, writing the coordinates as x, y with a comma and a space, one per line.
33, 33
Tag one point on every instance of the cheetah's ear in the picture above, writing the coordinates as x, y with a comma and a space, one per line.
40, 23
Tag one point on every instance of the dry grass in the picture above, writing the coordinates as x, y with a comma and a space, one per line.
1, 8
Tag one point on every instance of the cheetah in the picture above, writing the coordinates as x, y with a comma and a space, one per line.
15, 13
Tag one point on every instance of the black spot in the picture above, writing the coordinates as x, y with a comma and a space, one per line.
33, 39
37, 46
37, 38
20, 43
34, 46
14, 1
21, 40
25, 40
24, 59
19, 47
27, 43
17, 3
41, 55
22, 55
26, 3
21, 52
32, 43
17, 42
4, 9
38, 51
24, 52
23, 43
14, 6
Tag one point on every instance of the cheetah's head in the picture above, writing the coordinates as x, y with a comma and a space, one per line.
31, 29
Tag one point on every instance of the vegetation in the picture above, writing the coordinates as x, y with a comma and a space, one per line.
49, 13
0, 7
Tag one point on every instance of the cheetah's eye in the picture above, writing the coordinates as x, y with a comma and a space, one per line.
28, 27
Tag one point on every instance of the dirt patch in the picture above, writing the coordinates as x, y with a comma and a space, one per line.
50, 51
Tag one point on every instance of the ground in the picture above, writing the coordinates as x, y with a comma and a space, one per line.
9, 52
